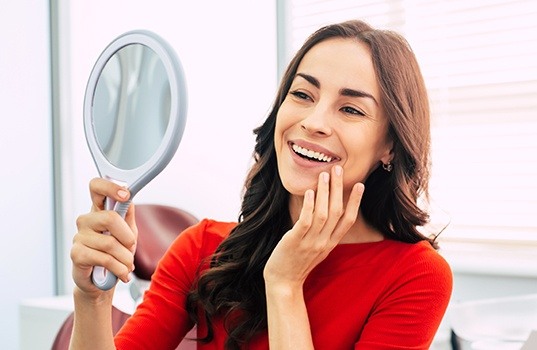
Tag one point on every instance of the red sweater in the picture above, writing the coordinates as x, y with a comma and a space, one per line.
381, 295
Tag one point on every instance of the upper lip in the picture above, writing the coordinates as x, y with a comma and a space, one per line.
315, 148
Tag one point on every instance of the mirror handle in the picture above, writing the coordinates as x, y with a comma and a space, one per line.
101, 277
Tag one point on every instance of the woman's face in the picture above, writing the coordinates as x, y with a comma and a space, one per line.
331, 116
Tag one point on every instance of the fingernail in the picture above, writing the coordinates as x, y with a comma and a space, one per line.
338, 170
122, 193
326, 177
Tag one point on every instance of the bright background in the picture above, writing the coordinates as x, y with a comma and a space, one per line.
228, 51
478, 58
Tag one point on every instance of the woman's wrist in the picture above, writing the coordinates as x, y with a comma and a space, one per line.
284, 297
97, 299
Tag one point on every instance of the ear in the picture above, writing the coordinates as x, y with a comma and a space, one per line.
387, 153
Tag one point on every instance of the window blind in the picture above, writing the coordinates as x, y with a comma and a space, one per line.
479, 61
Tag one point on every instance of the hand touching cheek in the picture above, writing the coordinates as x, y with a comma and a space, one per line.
323, 221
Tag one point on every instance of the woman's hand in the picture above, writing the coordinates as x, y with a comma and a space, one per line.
115, 252
323, 222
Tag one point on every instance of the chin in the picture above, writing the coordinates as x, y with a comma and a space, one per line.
297, 187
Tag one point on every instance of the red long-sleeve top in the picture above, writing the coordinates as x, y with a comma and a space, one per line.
379, 295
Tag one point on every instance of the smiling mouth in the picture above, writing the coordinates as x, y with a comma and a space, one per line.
311, 155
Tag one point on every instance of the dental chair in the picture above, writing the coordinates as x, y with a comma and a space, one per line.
158, 226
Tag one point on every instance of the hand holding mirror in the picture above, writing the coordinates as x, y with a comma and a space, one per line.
134, 116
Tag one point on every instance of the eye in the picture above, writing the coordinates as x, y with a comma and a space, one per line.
300, 95
353, 111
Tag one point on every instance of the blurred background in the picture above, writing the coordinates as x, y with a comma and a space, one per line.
478, 59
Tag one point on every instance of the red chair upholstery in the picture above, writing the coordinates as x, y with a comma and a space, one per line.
158, 226
61, 342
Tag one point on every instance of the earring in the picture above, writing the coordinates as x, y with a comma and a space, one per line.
388, 166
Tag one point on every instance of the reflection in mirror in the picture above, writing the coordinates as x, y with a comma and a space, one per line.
131, 106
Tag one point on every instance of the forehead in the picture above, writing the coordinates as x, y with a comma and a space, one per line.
344, 62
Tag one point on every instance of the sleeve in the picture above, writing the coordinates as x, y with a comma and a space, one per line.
161, 320
408, 315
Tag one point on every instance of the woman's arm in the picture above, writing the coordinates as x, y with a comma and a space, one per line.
92, 327
322, 223
288, 324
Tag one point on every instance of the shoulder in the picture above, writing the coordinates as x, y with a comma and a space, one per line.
421, 265
413, 255
196, 243
423, 255
210, 229
189, 250
204, 237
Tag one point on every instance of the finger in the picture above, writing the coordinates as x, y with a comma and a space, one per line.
109, 246
336, 192
84, 258
320, 213
108, 221
101, 188
130, 219
351, 212
304, 221
335, 206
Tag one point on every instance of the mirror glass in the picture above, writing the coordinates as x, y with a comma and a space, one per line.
131, 106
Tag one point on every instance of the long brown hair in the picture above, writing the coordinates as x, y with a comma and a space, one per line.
233, 287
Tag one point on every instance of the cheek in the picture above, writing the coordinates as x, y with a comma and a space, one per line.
357, 173
363, 156
283, 123
278, 133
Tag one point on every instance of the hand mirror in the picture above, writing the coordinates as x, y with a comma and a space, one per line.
134, 116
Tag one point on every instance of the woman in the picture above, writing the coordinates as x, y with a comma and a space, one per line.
327, 253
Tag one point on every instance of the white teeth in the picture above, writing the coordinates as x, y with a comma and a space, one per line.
311, 154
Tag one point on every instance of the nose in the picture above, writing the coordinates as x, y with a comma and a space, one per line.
317, 121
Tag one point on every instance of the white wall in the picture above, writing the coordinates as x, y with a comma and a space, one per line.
26, 247
228, 51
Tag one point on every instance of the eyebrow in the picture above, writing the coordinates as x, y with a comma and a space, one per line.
344, 91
